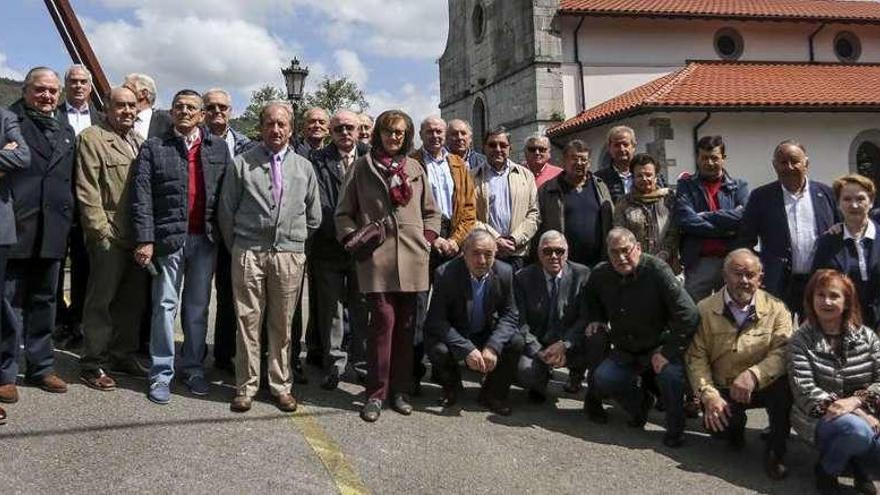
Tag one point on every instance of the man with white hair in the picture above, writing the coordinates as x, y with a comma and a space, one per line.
459, 141
621, 144
150, 122
537, 153
77, 109
314, 132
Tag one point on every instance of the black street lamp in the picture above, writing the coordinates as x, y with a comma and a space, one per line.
295, 80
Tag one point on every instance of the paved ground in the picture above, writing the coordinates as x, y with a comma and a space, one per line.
97, 442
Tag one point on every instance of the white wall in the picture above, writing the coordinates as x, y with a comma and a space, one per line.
750, 138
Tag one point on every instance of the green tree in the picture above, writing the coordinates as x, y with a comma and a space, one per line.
249, 121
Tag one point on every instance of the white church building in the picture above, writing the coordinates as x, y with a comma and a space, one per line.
754, 71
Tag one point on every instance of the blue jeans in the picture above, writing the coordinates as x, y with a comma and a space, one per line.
192, 267
623, 382
847, 439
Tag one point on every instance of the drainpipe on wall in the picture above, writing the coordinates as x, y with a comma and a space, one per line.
697, 127
812, 36
577, 58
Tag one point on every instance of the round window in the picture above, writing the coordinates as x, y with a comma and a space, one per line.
478, 20
728, 44
847, 47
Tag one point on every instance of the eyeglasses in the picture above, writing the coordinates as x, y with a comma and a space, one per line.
497, 146
344, 127
185, 106
550, 251
537, 149
217, 107
393, 132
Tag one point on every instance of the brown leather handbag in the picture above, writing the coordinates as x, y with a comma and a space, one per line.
363, 241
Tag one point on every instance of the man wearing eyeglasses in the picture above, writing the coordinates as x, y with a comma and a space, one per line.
174, 200
651, 320
537, 151
578, 204
507, 200
331, 268
218, 111
553, 316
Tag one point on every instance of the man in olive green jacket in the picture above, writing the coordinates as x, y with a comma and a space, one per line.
116, 291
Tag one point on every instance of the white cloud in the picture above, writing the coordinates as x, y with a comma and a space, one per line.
415, 101
351, 66
7, 71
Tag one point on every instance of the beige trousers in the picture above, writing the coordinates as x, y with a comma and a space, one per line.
264, 283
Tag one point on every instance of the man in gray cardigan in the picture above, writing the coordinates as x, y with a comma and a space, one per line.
269, 205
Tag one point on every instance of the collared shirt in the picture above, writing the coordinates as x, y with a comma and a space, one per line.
801, 228
440, 179
627, 179
870, 233
78, 118
142, 122
192, 139
499, 198
229, 137
478, 310
740, 315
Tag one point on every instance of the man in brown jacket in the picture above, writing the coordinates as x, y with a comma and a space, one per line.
116, 291
453, 188
736, 360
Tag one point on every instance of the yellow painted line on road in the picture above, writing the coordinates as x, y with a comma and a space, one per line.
330, 453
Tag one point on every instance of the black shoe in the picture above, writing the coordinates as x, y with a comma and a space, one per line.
639, 420
450, 396
536, 397
862, 482
595, 412
774, 466
330, 381
400, 403
371, 410
495, 405
673, 440
299, 374
574, 385
314, 360
826, 484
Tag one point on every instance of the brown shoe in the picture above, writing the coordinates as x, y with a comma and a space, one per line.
98, 380
242, 403
50, 383
286, 403
8, 393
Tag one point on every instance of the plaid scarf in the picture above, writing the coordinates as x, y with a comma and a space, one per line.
393, 170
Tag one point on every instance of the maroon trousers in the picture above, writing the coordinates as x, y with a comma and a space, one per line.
390, 343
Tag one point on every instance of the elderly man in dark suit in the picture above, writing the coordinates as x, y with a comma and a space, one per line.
14, 156
473, 317
43, 205
553, 318
787, 217
78, 111
331, 268
150, 121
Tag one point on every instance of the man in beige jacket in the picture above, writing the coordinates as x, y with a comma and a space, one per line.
736, 360
116, 291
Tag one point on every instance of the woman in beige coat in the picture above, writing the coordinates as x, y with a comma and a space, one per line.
385, 183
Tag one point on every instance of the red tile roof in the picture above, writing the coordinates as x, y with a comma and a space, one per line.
742, 86
848, 11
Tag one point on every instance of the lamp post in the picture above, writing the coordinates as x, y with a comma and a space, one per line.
295, 80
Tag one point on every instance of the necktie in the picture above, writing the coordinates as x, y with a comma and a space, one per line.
277, 181
553, 308
477, 311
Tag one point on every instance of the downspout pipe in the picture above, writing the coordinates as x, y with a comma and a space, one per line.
811, 41
582, 105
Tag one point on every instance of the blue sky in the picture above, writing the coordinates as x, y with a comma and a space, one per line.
389, 47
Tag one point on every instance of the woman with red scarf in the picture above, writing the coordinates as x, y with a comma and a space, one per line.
386, 184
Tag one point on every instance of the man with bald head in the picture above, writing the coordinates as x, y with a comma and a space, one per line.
314, 132
460, 140
116, 291
331, 268
537, 153
43, 205
736, 360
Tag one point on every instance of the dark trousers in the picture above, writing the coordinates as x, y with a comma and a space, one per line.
625, 382
335, 289
534, 374
28, 316
497, 383
793, 295
115, 301
296, 325
776, 399
71, 315
390, 343
224, 319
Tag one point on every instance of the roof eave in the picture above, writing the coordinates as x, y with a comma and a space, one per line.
708, 17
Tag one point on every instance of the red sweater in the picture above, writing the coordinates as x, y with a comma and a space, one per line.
195, 211
713, 247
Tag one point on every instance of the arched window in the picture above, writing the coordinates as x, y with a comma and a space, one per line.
479, 123
868, 161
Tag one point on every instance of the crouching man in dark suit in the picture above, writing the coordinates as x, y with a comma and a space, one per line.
553, 317
473, 317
